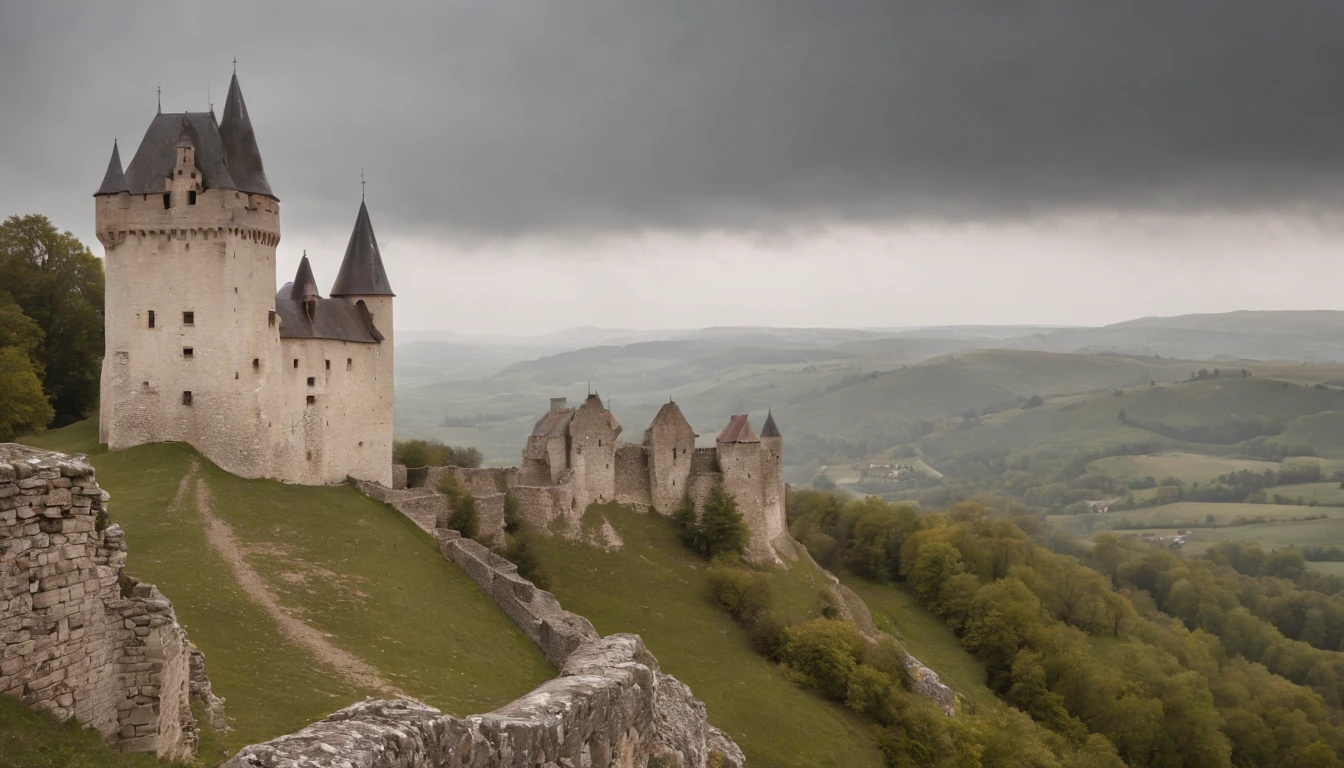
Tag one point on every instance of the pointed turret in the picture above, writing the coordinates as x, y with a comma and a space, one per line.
114, 181
240, 144
304, 285
362, 272
769, 429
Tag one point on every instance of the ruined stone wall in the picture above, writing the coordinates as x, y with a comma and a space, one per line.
632, 476
77, 637
610, 707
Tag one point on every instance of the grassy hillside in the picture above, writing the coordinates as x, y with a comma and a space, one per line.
1186, 467
32, 740
357, 572
656, 588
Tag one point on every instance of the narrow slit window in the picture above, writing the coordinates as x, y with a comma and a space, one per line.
188, 318
296, 362
349, 363
256, 364
191, 195
188, 352
167, 200
328, 365
271, 319
151, 318
186, 397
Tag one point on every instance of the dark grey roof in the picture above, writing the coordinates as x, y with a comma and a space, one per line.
240, 144
362, 272
114, 180
332, 319
305, 285
157, 155
769, 429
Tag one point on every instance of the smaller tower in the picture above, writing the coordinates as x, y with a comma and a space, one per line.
670, 444
772, 475
739, 452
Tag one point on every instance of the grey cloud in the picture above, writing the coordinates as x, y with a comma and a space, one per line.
498, 118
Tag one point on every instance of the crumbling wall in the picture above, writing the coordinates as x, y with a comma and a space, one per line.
610, 707
632, 476
78, 638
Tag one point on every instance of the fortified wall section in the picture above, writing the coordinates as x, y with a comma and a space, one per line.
78, 638
610, 707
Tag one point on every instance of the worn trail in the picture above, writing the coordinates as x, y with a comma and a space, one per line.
349, 666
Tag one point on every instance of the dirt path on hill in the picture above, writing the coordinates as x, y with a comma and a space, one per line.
350, 666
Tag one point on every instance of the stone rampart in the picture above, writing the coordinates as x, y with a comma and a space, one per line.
78, 638
610, 707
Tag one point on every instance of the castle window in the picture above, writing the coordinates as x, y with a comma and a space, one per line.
188, 352
312, 399
271, 319
188, 318
193, 175
599, 443
191, 195
151, 318
328, 365
312, 381
296, 362
349, 364
167, 200
186, 397
256, 364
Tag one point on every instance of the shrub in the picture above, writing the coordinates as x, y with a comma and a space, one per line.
512, 522
767, 634
462, 516
830, 605
744, 594
433, 453
722, 528
520, 553
822, 654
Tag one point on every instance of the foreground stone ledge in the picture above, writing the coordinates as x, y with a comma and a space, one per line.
610, 707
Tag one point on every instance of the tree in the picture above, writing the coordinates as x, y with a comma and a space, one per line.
823, 482
58, 283
721, 525
23, 406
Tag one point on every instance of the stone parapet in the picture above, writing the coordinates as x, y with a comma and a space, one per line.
79, 638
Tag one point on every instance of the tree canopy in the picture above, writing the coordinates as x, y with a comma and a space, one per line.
57, 283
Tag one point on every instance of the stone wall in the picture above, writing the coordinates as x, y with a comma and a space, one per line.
610, 707
79, 638
632, 476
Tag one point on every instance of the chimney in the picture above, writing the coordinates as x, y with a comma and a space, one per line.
558, 403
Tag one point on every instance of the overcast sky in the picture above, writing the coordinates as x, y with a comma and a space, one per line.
539, 164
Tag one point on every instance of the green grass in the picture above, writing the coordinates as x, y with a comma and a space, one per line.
926, 637
351, 567
1328, 493
29, 739
80, 437
1186, 467
1185, 513
655, 587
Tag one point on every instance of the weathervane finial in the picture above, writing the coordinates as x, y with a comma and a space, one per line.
361, 184
235, 66
159, 92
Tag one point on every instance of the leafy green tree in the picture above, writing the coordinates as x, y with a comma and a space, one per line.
24, 408
58, 283
823, 654
823, 482
722, 528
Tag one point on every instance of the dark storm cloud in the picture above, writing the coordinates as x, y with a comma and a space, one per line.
509, 116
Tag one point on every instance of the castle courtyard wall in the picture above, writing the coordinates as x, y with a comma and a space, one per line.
632, 476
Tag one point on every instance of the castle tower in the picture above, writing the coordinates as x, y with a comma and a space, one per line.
362, 281
592, 433
670, 443
739, 452
772, 475
189, 232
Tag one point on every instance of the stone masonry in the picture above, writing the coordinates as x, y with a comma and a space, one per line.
78, 638
573, 459
610, 707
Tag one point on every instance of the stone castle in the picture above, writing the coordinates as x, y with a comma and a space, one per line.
201, 348
574, 458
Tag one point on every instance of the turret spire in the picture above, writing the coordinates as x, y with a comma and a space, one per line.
114, 180
769, 429
305, 285
362, 272
240, 144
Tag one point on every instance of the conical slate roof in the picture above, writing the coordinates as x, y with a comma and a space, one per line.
157, 155
362, 272
304, 285
769, 429
240, 145
114, 180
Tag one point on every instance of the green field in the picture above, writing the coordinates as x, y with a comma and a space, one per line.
1325, 493
655, 587
1186, 467
926, 637
354, 569
1184, 514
